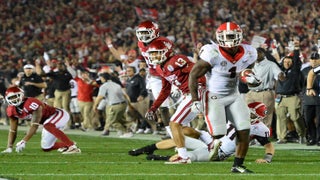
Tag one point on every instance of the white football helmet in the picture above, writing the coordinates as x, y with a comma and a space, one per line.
229, 35
147, 31
14, 96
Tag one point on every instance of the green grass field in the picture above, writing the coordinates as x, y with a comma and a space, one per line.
107, 158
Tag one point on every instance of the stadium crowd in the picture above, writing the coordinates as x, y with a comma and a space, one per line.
72, 33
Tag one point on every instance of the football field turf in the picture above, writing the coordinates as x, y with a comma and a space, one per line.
107, 158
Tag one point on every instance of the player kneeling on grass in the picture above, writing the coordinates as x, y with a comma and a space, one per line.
52, 119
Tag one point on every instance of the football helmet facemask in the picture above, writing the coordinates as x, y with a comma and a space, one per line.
147, 31
159, 51
229, 35
258, 111
14, 96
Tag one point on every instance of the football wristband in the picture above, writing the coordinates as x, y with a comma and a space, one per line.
268, 157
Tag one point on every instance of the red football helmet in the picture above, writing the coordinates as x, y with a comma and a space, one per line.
259, 110
147, 31
159, 51
229, 35
14, 96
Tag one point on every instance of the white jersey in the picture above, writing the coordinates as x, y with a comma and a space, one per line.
228, 146
74, 88
197, 150
225, 68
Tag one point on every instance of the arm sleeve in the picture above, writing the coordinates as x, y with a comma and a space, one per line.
164, 93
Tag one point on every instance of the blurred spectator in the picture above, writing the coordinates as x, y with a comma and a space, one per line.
311, 103
138, 94
116, 106
268, 72
32, 83
288, 102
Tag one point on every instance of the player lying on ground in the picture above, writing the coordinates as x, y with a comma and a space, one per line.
199, 150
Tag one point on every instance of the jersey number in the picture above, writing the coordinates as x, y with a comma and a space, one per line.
233, 72
180, 62
33, 106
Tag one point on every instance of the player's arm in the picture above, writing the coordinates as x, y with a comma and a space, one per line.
269, 150
12, 135
164, 93
96, 102
35, 122
198, 70
310, 79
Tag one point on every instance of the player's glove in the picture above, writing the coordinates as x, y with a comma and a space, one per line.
175, 93
8, 150
197, 107
252, 79
151, 115
20, 146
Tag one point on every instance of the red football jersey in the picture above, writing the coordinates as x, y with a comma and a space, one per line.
29, 106
143, 49
175, 71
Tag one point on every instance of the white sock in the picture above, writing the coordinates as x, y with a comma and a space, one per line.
205, 137
182, 152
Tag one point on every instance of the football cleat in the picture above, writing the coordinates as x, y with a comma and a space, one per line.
214, 149
143, 150
240, 169
62, 149
154, 157
72, 150
179, 160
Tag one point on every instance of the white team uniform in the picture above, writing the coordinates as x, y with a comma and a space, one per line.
74, 107
197, 149
228, 145
222, 101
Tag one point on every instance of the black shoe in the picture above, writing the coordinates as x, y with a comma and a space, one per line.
105, 133
72, 126
154, 157
240, 169
311, 143
99, 128
144, 150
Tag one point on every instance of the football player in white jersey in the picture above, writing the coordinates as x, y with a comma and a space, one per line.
258, 131
197, 141
223, 102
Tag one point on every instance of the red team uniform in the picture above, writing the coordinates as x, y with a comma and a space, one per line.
52, 119
175, 71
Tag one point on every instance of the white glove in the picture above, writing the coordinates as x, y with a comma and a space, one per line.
175, 93
8, 150
197, 107
20, 146
252, 79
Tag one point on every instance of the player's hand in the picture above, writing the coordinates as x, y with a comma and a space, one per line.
8, 150
151, 115
260, 161
175, 93
310, 92
197, 107
20, 146
252, 79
